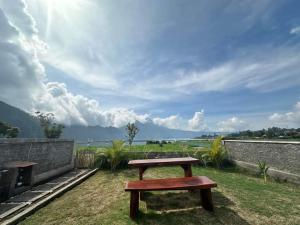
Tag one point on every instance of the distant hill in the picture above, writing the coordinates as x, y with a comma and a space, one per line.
30, 128
146, 131
152, 131
84, 133
29, 125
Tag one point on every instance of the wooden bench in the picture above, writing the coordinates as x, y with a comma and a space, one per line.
185, 183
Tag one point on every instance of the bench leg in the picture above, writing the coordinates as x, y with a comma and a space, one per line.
134, 204
206, 199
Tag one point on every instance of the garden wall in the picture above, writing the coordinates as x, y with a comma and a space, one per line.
53, 157
283, 157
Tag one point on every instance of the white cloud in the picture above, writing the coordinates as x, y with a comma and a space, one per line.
197, 122
77, 109
115, 56
291, 118
23, 78
295, 30
172, 122
271, 69
232, 124
23, 82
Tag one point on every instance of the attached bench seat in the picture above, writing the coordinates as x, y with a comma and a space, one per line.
184, 183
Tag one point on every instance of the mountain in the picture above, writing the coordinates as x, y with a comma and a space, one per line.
30, 128
29, 125
84, 133
147, 131
152, 131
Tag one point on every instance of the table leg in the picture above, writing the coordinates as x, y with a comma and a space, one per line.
141, 171
187, 170
206, 199
134, 204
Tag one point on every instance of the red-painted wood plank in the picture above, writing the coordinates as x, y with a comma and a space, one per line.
183, 183
162, 162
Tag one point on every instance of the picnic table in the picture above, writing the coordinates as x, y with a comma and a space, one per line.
144, 164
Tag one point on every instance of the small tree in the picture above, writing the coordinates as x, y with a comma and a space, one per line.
50, 128
132, 131
263, 169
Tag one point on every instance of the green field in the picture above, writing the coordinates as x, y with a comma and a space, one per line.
178, 146
239, 199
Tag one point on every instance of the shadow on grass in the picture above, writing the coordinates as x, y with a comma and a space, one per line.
185, 208
130, 173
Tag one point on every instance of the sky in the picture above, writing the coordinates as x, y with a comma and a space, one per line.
205, 65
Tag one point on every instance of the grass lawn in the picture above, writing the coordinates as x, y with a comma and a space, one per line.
239, 199
170, 147
178, 146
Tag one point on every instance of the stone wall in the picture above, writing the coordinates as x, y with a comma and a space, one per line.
281, 156
53, 157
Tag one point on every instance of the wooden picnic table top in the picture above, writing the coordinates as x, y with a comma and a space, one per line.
162, 162
181, 183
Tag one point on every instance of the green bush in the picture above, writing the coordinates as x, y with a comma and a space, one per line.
101, 161
115, 155
205, 159
217, 153
263, 169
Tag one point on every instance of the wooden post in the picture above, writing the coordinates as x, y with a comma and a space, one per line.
134, 204
206, 199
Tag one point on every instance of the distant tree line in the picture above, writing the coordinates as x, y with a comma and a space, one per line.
272, 132
154, 142
207, 136
8, 131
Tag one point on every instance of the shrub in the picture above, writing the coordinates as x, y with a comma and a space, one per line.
115, 154
152, 142
217, 153
101, 161
263, 169
205, 159
164, 142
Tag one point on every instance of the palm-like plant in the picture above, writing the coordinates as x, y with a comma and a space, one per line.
205, 158
115, 154
217, 153
263, 169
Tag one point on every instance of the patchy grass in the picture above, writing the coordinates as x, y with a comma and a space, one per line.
239, 199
